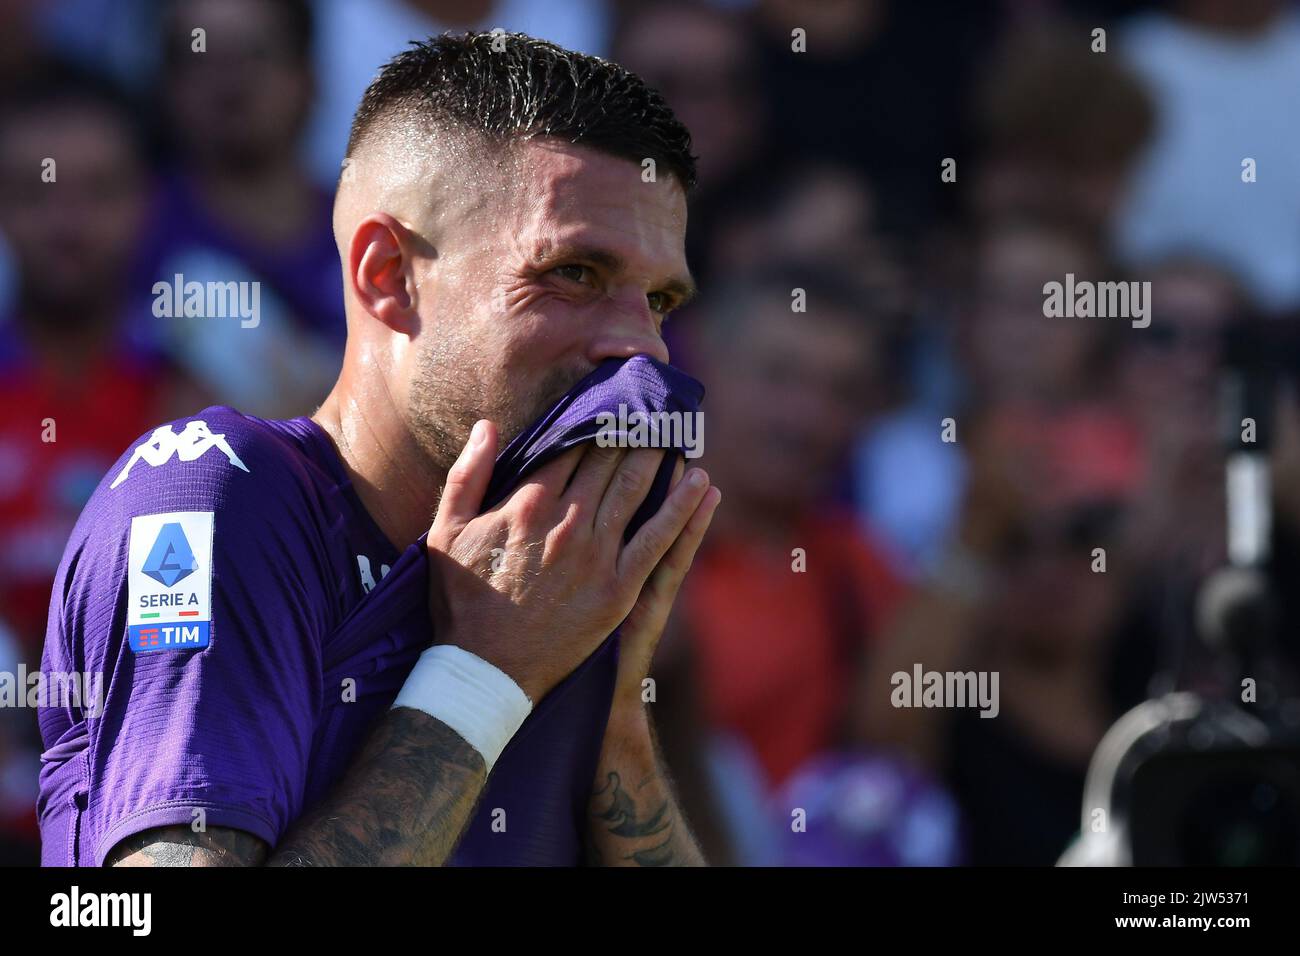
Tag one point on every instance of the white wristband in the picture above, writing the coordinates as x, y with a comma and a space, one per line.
472, 697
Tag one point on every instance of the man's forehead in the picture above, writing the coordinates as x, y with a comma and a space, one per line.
568, 192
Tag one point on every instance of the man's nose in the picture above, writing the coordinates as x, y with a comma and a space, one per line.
629, 328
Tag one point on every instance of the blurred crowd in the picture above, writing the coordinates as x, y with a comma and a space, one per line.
919, 466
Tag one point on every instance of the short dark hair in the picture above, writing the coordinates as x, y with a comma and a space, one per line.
297, 17
511, 87
1046, 96
56, 85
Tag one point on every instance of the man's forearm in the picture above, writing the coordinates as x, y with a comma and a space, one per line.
634, 816
405, 801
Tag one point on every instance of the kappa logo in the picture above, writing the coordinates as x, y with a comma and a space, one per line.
368, 576
191, 443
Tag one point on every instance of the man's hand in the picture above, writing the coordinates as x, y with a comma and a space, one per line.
635, 817
639, 636
563, 582
537, 583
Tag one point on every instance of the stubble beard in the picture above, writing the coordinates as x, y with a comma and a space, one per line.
452, 391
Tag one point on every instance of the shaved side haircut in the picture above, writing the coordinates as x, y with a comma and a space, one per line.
503, 88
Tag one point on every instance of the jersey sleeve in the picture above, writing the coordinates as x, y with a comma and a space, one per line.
195, 584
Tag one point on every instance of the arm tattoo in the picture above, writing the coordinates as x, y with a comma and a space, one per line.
182, 846
405, 801
648, 828
641, 825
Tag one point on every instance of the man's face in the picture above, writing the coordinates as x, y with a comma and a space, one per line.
1014, 349
788, 399
71, 237
1174, 364
571, 259
702, 64
246, 95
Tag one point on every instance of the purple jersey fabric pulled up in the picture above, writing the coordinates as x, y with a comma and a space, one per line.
250, 622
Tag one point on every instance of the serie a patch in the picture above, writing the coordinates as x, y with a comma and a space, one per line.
169, 581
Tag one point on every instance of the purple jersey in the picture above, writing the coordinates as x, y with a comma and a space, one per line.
250, 622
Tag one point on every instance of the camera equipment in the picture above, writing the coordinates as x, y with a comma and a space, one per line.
1213, 779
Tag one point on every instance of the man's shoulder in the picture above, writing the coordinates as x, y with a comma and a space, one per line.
217, 493
247, 469
210, 449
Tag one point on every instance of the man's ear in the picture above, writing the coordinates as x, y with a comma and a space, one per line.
379, 270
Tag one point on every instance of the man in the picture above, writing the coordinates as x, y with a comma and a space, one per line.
73, 388
237, 203
789, 596
64, 347
499, 243
781, 426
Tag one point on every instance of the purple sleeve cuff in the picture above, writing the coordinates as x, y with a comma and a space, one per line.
181, 812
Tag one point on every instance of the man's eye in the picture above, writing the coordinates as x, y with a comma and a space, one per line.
660, 303
573, 273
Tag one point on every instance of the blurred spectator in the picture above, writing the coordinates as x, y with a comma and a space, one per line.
705, 63
1018, 596
239, 207
19, 55
788, 594
867, 811
858, 93
1171, 381
356, 37
1058, 128
1175, 382
1053, 460
908, 485
1004, 350
1222, 73
19, 766
814, 212
353, 38
905, 483
1054, 380
1012, 351
114, 38
74, 390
